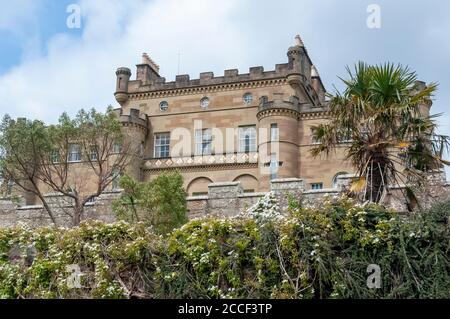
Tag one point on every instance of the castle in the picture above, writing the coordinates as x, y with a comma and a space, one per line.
240, 127
233, 138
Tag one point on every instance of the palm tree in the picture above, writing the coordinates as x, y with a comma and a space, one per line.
383, 118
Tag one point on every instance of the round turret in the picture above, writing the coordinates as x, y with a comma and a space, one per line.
123, 78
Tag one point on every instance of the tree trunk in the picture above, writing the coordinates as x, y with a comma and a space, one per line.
77, 214
376, 181
47, 208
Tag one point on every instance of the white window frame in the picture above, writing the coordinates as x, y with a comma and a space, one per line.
93, 153
317, 186
54, 157
162, 149
74, 156
203, 142
247, 139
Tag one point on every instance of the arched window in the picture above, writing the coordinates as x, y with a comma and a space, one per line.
335, 180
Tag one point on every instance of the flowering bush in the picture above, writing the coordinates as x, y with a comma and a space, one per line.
318, 251
265, 210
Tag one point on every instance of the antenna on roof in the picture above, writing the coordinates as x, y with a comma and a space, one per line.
179, 59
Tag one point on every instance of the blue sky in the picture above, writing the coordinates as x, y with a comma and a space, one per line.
47, 68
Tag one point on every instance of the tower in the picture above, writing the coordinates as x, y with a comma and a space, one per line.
123, 78
299, 63
279, 152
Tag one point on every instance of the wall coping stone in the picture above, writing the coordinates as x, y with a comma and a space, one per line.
284, 180
260, 194
30, 207
222, 184
321, 191
194, 198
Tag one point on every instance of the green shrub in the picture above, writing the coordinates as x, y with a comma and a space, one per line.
160, 203
320, 251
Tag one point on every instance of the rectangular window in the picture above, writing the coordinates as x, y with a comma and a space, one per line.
203, 142
247, 139
74, 154
317, 186
93, 153
54, 157
314, 139
162, 145
117, 148
274, 136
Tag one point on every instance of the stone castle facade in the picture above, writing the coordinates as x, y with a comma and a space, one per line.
233, 137
238, 127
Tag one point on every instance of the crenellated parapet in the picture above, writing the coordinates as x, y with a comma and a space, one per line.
134, 119
279, 106
299, 73
229, 78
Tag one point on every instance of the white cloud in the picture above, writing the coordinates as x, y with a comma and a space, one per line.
211, 35
78, 72
17, 15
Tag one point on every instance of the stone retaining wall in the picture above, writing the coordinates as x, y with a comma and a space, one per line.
223, 199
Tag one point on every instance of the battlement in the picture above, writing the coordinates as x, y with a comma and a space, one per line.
207, 78
134, 117
298, 72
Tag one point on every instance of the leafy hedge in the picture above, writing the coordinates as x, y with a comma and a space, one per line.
313, 252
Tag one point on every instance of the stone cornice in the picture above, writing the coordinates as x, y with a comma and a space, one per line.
204, 89
314, 114
278, 112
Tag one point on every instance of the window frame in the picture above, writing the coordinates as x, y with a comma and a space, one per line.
242, 139
319, 184
158, 147
71, 153
203, 142
55, 157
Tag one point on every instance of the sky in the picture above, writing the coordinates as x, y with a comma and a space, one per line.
47, 68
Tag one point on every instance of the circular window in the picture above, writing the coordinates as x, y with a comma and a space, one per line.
204, 102
163, 106
248, 98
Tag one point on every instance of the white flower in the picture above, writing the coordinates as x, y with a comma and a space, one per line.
266, 209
